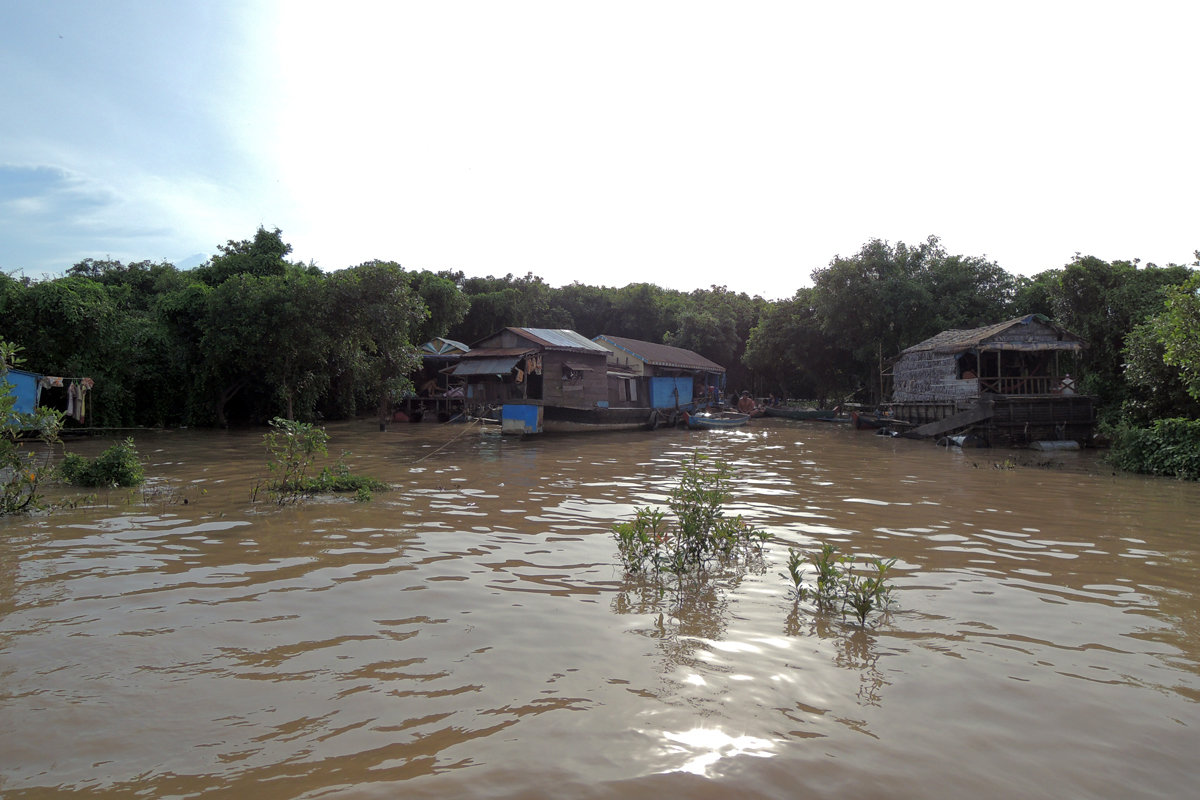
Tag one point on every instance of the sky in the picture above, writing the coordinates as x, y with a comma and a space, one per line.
687, 144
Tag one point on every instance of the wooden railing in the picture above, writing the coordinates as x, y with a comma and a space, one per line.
1028, 384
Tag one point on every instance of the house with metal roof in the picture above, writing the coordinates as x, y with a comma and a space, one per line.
548, 380
525, 371
660, 376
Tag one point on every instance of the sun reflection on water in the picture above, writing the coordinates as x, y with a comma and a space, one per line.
704, 747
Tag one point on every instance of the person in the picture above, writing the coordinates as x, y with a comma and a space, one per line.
746, 403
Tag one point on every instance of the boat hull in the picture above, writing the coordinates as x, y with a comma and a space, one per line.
556, 419
719, 420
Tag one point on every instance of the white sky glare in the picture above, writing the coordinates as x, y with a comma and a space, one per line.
686, 144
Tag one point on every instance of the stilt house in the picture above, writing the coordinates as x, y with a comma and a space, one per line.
1010, 380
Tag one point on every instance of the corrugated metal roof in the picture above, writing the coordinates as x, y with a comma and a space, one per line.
558, 338
485, 366
955, 341
662, 355
441, 346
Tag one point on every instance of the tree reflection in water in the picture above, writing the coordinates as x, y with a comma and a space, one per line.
854, 647
688, 608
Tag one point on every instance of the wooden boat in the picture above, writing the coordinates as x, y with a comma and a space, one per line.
709, 420
559, 419
792, 412
862, 421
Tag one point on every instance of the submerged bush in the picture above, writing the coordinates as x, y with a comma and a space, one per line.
293, 448
701, 531
839, 585
119, 465
1169, 447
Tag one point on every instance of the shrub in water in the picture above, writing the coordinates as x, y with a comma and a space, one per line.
838, 585
119, 465
1169, 447
294, 447
701, 531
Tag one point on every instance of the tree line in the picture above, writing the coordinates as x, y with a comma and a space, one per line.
250, 335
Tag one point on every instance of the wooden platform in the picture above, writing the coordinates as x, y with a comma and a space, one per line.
1012, 420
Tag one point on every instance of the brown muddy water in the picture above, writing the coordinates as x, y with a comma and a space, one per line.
471, 635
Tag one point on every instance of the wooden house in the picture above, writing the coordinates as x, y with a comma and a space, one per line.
537, 377
658, 377
436, 395
1010, 381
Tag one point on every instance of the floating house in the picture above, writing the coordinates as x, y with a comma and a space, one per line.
538, 378
554, 380
1009, 382
660, 378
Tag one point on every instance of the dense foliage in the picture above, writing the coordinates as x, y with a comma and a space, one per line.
250, 335
119, 465
1168, 447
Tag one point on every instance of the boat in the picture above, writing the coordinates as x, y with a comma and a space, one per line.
711, 420
560, 419
793, 412
864, 422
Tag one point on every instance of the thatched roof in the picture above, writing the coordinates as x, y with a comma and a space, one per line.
1031, 332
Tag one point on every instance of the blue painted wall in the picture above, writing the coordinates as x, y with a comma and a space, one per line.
667, 392
25, 388
516, 418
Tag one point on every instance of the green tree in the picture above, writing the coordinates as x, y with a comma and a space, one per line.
263, 256
371, 312
1156, 389
1178, 329
1103, 302
790, 354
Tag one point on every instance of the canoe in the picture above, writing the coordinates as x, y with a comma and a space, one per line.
710, 420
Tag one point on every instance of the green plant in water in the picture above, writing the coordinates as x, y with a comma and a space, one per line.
838, 584
643, 541
294, 448
119, 465
701, 531
829, 573
795, 567
867, 593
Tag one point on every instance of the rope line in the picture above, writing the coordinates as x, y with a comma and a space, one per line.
450, 441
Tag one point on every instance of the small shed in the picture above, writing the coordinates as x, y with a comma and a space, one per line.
657, 375
435, 391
